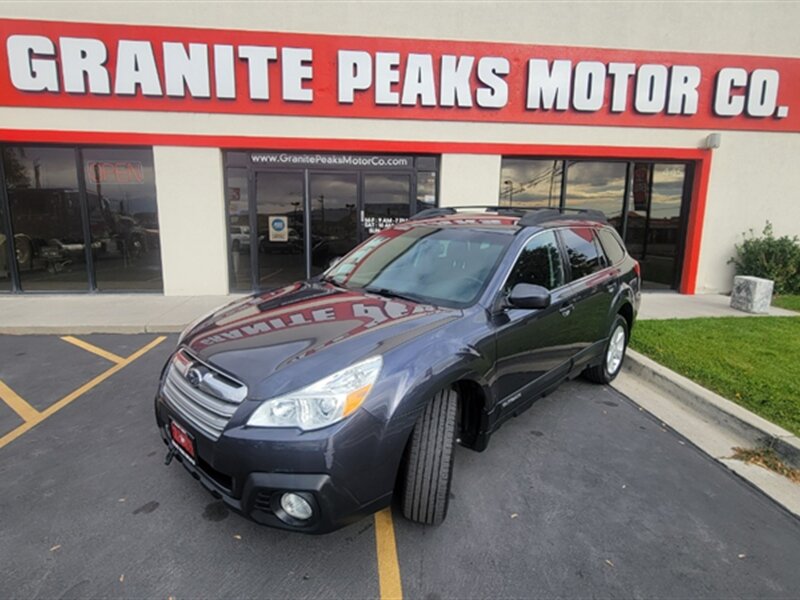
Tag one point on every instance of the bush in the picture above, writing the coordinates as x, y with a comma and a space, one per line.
772, 258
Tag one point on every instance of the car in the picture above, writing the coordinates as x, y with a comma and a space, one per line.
313, 405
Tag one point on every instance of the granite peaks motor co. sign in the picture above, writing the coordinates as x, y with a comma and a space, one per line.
78, 65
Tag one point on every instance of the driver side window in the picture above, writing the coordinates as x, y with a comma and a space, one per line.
538, 264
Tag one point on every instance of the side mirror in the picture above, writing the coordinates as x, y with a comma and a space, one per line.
527, 295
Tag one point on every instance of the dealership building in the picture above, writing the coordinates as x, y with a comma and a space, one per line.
223, 147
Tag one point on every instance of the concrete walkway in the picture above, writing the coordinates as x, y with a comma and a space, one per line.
138, 313
671, 305
103, 313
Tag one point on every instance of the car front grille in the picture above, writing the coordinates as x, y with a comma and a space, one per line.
209, 401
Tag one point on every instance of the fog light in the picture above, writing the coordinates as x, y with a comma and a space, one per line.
296, 506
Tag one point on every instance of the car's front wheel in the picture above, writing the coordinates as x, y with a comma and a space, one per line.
613, 355
429, 461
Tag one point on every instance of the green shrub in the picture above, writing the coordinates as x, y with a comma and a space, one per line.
772, 258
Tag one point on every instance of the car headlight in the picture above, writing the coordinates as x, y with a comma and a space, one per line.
322, 403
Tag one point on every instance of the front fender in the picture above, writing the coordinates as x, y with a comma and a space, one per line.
402, 394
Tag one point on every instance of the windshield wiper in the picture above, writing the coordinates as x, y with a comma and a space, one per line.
386, 292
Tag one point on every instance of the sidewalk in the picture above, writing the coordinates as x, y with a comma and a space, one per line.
138, 313
102, 313
671, 305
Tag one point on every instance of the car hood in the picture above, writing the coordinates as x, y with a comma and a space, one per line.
298, 334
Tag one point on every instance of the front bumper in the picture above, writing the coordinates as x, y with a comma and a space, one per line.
248, 469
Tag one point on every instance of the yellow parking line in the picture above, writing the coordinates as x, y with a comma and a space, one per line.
388, 566
93, 349
17, 404
53, 408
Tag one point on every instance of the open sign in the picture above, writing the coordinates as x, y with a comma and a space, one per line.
120, 172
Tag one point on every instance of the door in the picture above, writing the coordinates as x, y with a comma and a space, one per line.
589, 293
276, 246
322, 215
531, 344
334, 209
387, 201
654, 232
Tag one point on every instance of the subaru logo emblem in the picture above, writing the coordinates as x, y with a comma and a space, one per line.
194, 376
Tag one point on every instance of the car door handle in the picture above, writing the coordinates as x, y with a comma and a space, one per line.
566, 309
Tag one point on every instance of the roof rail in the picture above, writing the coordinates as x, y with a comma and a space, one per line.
528, 217
429, 213
542, 215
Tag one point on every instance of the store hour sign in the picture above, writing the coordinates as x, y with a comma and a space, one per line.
97, 66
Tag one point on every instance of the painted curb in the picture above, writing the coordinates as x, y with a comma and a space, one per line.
756, 430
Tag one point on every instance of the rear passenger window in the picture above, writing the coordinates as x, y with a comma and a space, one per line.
539, 263
611, 245
584, 255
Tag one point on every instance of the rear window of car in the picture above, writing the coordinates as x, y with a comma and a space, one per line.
582, 250
611, 246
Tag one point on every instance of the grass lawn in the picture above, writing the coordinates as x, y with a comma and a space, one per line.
754, 361
788, 302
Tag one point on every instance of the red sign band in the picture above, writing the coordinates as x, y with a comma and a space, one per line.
123, 67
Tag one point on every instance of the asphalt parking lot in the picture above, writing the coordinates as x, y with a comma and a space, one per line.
583, 495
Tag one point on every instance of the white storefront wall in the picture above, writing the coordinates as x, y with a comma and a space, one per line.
752, 176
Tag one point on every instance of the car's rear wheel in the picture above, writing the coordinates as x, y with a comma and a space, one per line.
613, 355
429, 461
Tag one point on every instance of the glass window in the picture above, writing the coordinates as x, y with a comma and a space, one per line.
238, 207
611, 245
653, 231
538, 264
597, 186
387, 201
334, 218
584, 258
446, 266
45, 206
281, 231
526, 183
426, 190
123, 218
5, 254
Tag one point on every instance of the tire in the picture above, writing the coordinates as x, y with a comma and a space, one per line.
607, 371
429, 461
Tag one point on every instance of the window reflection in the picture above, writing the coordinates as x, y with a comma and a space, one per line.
387, 201
44, 202
334, 221
539, 263
597, 186
528, 183
281, 256
654, 220
584, 258
426, 190
5, 254
123, 218
652, 227
236, 196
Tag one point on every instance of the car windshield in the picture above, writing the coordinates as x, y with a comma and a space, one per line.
438, 265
